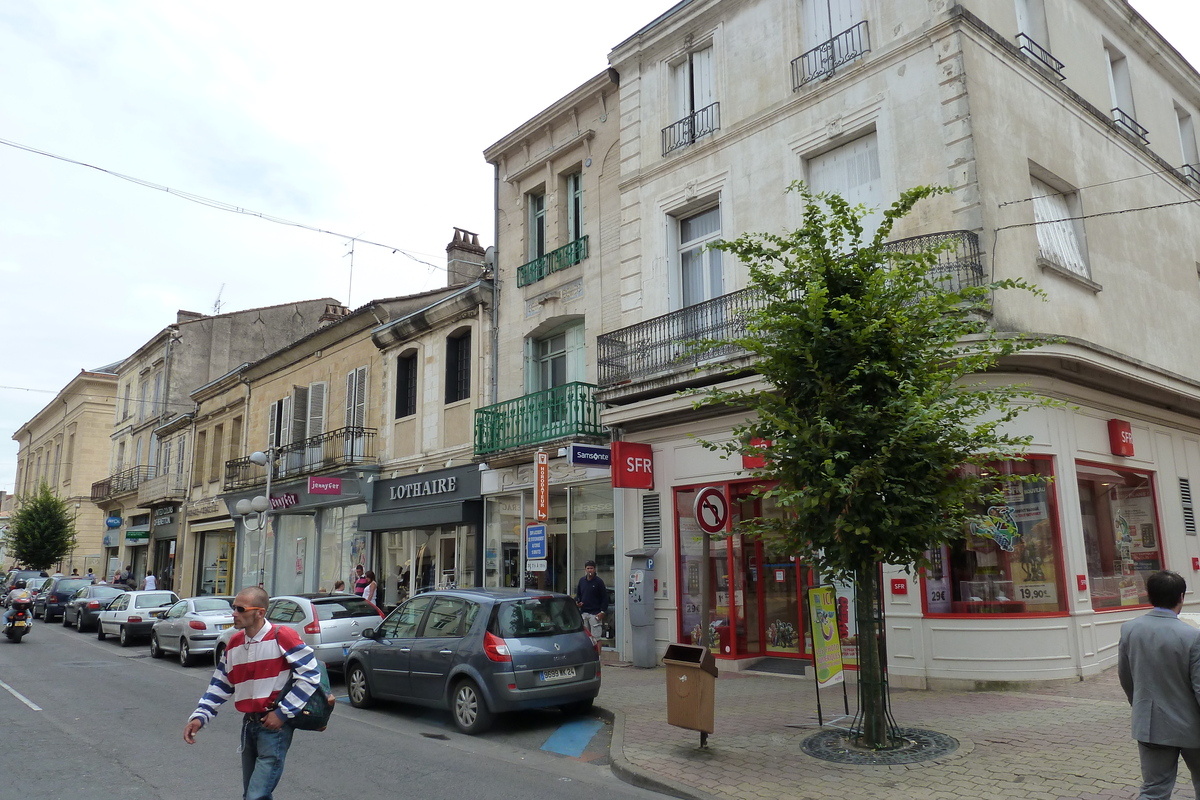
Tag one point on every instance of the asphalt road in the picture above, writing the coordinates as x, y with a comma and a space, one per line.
91, 719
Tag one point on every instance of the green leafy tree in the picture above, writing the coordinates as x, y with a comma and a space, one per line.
41, 531
879, 429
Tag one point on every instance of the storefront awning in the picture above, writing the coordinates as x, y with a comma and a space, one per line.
420, 517
219, 525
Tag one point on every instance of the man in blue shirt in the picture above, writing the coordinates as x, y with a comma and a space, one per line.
592, 598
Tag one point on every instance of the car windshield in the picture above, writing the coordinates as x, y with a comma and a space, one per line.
154, 599
72, 584
535, 616
344, 608
213, 605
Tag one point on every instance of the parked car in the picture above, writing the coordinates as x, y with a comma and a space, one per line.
131, 615
478, 652
34, 578
49, 602
84, 607
328, 623
191, 627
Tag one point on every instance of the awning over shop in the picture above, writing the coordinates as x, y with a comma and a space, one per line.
219, 525
420, 517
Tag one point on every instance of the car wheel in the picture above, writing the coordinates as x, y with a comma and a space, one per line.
100, 634
185, 654
470, 711
79, 622
155, 649
217, 653
577, 708
357, 688
123, 637
65, 623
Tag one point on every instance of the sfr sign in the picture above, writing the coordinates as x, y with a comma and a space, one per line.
632, 465
1120, 437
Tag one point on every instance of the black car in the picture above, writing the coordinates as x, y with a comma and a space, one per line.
34, 578
476, 653
54, 595
84, 607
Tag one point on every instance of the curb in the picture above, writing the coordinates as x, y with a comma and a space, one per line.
635, 775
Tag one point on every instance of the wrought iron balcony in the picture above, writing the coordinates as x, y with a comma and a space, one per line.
123, 482
170, 486
670, 344
687, 130
340, 448
563, 412
1040, 54
1130, 126
824, 59
555, 260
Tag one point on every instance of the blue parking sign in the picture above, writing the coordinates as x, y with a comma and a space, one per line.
535, 541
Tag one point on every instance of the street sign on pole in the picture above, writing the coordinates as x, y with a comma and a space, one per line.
535, 544
541, 486
711, 509
537, 565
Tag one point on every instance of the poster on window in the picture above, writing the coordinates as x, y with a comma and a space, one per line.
1135, 529
937, 581
847, 624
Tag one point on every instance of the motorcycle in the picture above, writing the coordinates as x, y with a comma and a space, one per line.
21, 620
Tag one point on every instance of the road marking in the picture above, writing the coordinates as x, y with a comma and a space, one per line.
20, 697
572, 738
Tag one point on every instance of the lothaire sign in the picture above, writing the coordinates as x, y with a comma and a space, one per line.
827, 646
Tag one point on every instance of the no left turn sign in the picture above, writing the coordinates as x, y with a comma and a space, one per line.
711, 509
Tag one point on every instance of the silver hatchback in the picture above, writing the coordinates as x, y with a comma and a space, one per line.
328, 623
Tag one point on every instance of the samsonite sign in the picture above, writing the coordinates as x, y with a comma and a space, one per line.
632, 465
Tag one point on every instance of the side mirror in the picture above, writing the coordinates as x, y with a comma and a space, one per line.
368, 633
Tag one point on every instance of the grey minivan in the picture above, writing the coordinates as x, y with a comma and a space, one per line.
478, 652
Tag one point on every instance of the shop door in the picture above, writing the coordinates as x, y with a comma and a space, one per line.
783, 633
447, 561
768, 588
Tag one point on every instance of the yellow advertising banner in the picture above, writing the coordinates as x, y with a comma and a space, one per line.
827, 646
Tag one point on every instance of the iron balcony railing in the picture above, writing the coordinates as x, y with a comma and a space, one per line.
670, 344
340, 448
1191, 172
687, 130
565, 411
122, 482
565, 256
1129, 125
1040, 54
824, 59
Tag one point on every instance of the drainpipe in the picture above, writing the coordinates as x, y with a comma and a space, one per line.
496, 285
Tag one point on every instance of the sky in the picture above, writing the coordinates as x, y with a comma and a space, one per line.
365, 119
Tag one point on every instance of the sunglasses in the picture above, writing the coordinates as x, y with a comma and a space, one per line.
244, 609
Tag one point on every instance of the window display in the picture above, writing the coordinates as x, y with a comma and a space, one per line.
1010, 560
1120, 533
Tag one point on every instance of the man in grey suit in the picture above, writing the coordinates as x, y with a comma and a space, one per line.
1159, 667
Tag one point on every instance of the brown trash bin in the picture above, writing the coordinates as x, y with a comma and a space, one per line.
691, 687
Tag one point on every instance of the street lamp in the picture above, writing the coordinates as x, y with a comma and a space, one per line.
260, 506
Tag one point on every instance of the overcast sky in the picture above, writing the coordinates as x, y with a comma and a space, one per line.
366, 119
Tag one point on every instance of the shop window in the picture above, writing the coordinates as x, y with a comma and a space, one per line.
1010, 559
1121, 535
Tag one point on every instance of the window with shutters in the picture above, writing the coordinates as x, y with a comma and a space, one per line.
141, 405
1120, 89
1033, 35
356, 412
180, 455
165, 459
1056, 213
157, 407
301, 419
198, 458
406, 385
536, 202
694, 109
555, 358
852, 171
216, 452
458, 366
701, 274
574, 206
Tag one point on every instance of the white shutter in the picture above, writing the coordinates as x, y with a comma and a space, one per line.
356, 398
272, 424
853, 172
844, 15
576, 354
180, 456
316, 408
703, 93
153, 454
815, 22
166, 458
681, 90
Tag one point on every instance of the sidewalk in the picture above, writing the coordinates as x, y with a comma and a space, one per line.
1065, 741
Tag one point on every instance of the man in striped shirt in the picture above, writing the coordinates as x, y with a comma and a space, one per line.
254, 671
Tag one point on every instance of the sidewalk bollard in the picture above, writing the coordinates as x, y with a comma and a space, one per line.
691, 688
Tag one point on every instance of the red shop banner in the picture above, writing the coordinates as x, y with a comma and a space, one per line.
632, 465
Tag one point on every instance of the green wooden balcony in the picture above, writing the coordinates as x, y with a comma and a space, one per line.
563, 412
552, 262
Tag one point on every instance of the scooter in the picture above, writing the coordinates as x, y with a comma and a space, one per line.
21, 620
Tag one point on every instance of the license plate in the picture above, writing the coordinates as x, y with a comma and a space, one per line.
18, 623
224, 626
558, 674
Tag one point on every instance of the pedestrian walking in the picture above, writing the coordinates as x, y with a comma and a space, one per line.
91, 576
1158, 664
261, 661
149, 583
591, 595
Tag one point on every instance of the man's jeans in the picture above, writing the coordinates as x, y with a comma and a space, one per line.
263, 753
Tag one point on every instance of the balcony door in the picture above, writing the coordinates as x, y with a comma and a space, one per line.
555, 359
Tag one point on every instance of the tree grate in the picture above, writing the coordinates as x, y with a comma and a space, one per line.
919, 745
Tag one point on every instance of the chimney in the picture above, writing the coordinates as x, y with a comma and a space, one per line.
187, 316
333, 312
464, 258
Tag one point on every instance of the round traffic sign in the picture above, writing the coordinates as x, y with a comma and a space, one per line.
711, 509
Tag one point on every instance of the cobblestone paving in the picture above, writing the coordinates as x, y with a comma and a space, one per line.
1069, 740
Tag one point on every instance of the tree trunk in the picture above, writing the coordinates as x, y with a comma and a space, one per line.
875, 724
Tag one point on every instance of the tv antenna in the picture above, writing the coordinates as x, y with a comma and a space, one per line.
217, 302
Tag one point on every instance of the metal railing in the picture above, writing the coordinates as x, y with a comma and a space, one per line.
824, 59
1191, 172
122, 482
687, 130
565, 256
671, 343
1129, 125
1040, 54
170, 486
343, 447
564, 411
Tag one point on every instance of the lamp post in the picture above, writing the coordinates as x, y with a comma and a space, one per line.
260, 506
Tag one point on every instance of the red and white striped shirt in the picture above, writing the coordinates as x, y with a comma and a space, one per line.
254, 670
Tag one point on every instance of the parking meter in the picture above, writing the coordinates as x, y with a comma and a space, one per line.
640, 605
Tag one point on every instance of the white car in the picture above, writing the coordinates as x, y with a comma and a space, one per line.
191, 627
132, 615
